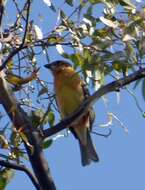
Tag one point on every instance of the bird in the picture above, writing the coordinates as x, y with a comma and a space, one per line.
71, 91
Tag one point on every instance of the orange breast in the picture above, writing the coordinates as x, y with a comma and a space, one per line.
69, 93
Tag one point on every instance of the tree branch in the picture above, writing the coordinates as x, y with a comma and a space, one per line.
21, 121
1, 12
21, 168
113, 86
15, 51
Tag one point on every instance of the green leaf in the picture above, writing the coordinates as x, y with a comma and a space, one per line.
127, 3
15, 139
141, 46
40, 117
117, 65
94, 1
131, 53
36, 117
5, 176
51, 118
47, 143
10, 65
108, 22
3, 142
70, 2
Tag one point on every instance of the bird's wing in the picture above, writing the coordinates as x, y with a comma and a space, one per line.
91, 110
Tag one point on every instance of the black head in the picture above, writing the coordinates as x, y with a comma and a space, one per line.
57, 65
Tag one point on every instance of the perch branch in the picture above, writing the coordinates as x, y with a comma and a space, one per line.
14, 166
113, 86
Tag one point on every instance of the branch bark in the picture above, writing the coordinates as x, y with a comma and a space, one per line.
1, 11
113, 86
20, 120
14, 166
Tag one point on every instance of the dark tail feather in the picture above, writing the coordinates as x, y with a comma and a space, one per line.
88, 152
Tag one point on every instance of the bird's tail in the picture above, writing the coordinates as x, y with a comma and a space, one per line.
88, 152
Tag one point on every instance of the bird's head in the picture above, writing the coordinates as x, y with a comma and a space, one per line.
58, 65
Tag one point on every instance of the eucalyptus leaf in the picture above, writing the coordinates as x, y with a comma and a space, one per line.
70, 2
51, 118
127, 3
47, 143
5, 177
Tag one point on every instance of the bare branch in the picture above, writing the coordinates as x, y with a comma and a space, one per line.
27, 22
113, 86
8, 164
1, 12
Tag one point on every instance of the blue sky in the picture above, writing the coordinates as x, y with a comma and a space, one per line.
121, 155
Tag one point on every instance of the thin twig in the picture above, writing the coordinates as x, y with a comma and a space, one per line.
102, 135
1, 13
15, 51
136, 101
27, 22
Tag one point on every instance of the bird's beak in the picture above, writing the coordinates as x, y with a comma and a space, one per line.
49, 66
